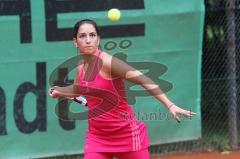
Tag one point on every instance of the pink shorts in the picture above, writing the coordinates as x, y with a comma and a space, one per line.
140, 154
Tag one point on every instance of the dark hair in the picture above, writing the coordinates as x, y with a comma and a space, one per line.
84, 21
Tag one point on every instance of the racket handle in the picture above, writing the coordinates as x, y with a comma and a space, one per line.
81, 100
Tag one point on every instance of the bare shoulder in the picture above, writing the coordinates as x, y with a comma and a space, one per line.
106, 58
106, 65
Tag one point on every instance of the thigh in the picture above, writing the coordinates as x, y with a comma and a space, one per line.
140, 154
97, 155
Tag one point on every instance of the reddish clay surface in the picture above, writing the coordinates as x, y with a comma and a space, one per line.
202, 155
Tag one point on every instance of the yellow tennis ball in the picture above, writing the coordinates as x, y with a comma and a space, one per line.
114, 14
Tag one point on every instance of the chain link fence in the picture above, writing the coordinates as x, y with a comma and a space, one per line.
220, 83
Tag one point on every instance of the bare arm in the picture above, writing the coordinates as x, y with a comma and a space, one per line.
125, 71
70, 91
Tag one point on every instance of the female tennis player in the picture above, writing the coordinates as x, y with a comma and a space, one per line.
109, 135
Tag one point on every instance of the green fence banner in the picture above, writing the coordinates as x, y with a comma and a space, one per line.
161, 38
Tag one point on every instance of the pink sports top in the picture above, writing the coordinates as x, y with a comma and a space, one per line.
112, 125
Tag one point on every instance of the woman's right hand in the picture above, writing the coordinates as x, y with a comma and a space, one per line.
53, 93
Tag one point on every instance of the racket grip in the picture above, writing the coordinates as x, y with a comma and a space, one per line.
81, 100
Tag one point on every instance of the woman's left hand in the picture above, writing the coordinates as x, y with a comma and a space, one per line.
175, 110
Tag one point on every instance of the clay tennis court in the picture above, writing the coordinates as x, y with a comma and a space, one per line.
201, 155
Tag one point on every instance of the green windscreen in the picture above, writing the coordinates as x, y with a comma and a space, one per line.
161, 38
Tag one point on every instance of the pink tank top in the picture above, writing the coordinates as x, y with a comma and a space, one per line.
112, 125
